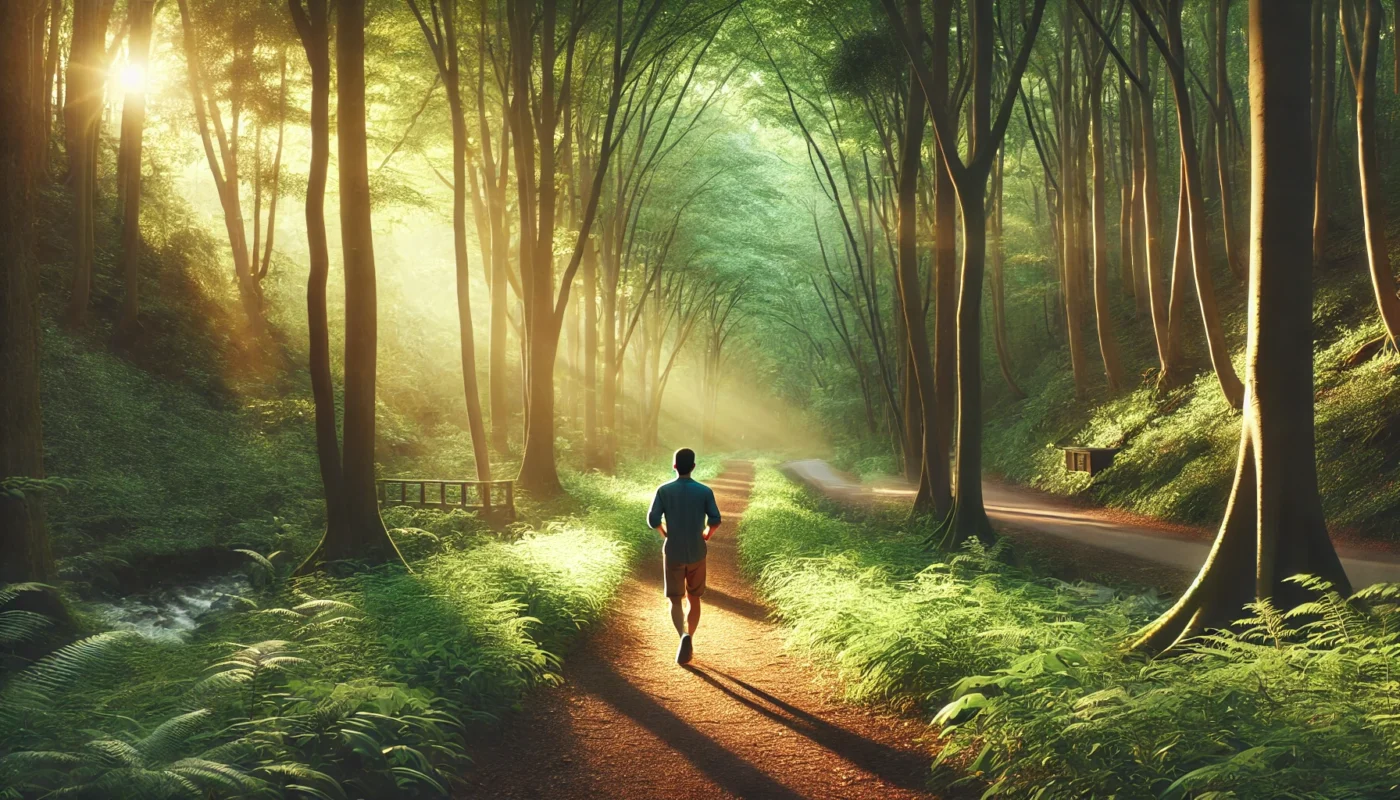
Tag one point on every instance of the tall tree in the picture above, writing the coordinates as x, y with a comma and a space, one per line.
441, 35
88, 60
363, 536
968, 516
1324, 117
1273, 526
140, 13
933, 495
1096, 60
1173, 50
1363, 57
24, 542
312, 19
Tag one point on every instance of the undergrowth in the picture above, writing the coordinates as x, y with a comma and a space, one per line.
1029, 687
368, 685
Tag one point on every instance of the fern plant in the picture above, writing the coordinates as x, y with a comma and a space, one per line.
166, 762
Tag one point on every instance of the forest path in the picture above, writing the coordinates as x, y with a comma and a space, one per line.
1136, 546
745, 719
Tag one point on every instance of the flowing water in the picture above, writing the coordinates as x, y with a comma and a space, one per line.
170, 614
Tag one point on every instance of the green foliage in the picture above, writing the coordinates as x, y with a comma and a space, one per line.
326, 687
1028, 680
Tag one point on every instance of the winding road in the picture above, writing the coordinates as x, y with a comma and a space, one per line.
1029, 513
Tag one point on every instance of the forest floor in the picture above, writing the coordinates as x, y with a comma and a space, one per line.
1080, 542
745, 719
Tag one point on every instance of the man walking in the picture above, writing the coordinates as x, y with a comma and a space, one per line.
690, 518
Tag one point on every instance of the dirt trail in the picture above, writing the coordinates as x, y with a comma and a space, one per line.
1091, 543
745, 720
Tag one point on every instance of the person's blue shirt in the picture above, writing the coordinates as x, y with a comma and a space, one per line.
688, 507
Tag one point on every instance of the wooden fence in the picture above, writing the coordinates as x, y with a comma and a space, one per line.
485, 496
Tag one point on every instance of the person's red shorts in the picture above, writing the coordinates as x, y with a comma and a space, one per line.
684, 578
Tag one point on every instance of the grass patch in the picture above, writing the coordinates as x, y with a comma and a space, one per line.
374, 681
1027, 679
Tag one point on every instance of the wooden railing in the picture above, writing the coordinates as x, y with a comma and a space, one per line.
486, 496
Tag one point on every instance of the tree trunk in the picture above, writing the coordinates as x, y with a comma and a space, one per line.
1150, 195
51, 83
1363, 66
24, 542
1071, 255
1322, 136
363, 538
1224, 156
1127, 267
313, 25
86, 75
129, 159
1273, 526
945, 256
933, 495
1103, 313
1174, 50
999, 282
590, 354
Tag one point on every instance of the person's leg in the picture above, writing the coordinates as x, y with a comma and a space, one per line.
694, 587
673, 583
692, 620
678, 616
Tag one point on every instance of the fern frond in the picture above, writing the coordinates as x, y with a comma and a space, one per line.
171, 736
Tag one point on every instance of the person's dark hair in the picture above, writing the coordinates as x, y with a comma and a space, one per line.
684, 461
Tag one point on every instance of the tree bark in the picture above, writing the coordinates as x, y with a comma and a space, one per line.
1324, 124
933, 496
129, 159
1149, 194
442, 41
313, 25
1224, 155
1273, 526
999, 281
1103, 312
1173, 50
86, 75
24, 544
363, 537
945, 256
1362, 59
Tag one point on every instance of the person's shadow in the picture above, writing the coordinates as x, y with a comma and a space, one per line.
906, 769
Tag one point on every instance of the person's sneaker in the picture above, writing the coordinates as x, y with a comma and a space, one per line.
685, 651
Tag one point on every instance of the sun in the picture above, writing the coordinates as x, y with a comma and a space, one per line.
132, 78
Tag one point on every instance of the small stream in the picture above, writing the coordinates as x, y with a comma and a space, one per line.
170, 614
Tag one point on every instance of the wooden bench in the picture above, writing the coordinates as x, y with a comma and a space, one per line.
485, 496
1089, 459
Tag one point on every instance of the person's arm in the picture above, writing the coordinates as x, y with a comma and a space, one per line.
712, 516
655, 514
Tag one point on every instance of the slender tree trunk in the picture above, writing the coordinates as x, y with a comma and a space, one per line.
1071, 255
933, 496
945, 257
1103, 312
24, 543
999, 281
1230, 384
1324, 124
1149, 194
1127, 267
1224, 155
133, 129
86, 75
590, 354
1273, 526
1363, 58
364, 537
51, 84
313, 24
